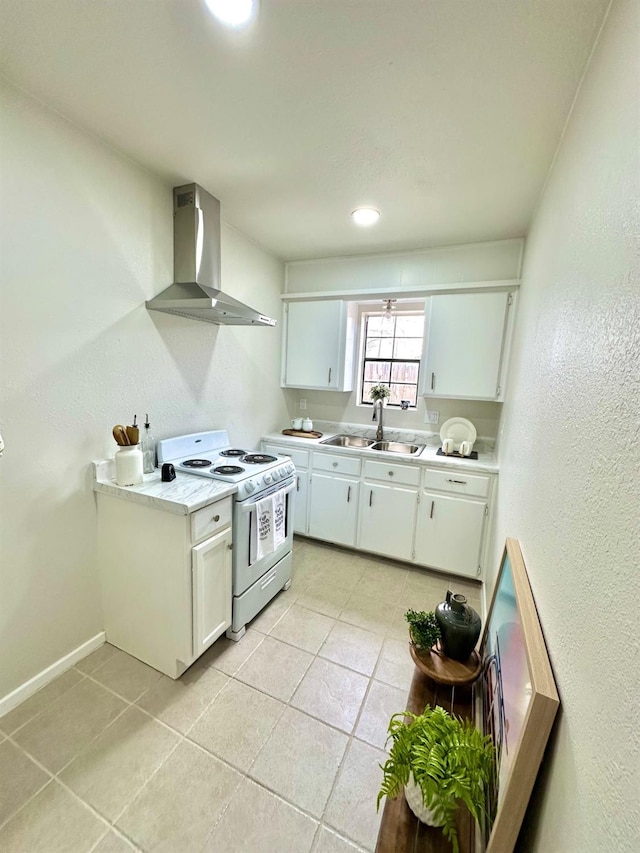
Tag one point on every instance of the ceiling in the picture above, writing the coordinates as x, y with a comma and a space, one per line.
443, 114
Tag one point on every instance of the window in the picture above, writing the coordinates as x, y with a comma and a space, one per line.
391, 349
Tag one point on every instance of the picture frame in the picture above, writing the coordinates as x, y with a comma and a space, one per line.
519, 698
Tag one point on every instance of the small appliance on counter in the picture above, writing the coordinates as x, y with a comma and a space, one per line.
458, 436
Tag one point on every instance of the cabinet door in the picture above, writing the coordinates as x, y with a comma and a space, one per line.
465, 338
211, 575
300, 503
333, 508
387, 520
317, 346
449, 533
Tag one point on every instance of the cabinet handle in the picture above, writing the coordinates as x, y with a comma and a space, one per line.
230, 547
431, 513
433, 381
457, 482
390, 473
371, 497
329, 379
348, 494
335, 464
297, 484
216, 518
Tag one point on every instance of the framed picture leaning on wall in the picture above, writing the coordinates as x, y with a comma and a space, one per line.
519, 697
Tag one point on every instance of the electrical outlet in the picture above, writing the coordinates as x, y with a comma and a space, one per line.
431, 417
302, 405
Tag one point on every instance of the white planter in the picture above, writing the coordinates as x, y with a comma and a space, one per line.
413, 794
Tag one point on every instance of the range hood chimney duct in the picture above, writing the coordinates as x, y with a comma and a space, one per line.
196, 292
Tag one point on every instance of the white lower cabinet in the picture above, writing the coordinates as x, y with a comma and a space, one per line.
449, 533
333, 508
300, 459
165, 580
387, 519
434, 517
211, 578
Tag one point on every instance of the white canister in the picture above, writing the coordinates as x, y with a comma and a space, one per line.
296, 423
129, 466
307, 424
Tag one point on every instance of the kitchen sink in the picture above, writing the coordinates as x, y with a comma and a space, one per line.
348, 441
396, 447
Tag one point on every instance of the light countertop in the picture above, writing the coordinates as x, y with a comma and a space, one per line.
182, 496
486, 462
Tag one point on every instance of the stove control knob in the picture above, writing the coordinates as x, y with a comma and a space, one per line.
249, 486
277, 474
267, 478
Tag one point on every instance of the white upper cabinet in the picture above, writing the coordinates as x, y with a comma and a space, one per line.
466, 341
318, 345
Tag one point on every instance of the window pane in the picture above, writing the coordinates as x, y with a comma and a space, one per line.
404, 372
373, 348
407, 348
377, 371
381, 326
403, 392
410, 327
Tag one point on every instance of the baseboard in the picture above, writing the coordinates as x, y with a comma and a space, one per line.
13, 699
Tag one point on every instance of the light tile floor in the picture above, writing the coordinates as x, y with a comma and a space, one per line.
269, 745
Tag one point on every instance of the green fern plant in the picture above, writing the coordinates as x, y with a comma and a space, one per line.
449, 759
423, 627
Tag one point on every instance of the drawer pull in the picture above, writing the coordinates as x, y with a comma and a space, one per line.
457, 482
335, 464
329, 379
390, 473
371, 497
433, 381
216, 518
297, 484
348, 494
431, 513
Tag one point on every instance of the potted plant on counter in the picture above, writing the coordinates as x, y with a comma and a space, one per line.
424, 630
380, 392
440, 761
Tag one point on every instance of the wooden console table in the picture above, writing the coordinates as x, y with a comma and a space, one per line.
400, 831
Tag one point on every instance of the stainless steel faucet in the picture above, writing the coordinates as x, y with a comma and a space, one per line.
377, 404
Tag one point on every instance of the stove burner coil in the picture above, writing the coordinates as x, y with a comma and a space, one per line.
228, 469
233, 451
196, 463
258, 459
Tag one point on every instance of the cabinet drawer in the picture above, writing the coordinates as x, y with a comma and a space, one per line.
300, 458
210, 519
457, 482
408, 475
336, 464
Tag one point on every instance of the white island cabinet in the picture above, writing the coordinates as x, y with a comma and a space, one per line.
165, 578
466, 345
318, 345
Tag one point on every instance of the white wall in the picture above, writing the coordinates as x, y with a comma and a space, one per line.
570, 458
86, 238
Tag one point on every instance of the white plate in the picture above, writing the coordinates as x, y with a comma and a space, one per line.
458, 429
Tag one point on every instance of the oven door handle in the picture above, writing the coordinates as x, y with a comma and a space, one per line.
249, 505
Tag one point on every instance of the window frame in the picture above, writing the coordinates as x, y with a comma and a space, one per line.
412, 307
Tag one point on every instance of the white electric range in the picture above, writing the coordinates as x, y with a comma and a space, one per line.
265, 489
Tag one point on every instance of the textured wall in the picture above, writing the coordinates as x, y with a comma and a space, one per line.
569, 490
86, 238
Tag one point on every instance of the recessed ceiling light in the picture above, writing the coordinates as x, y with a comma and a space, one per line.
365, 215
234, 13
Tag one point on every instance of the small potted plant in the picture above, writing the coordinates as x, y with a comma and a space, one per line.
380, 392
423, 629
440, 761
